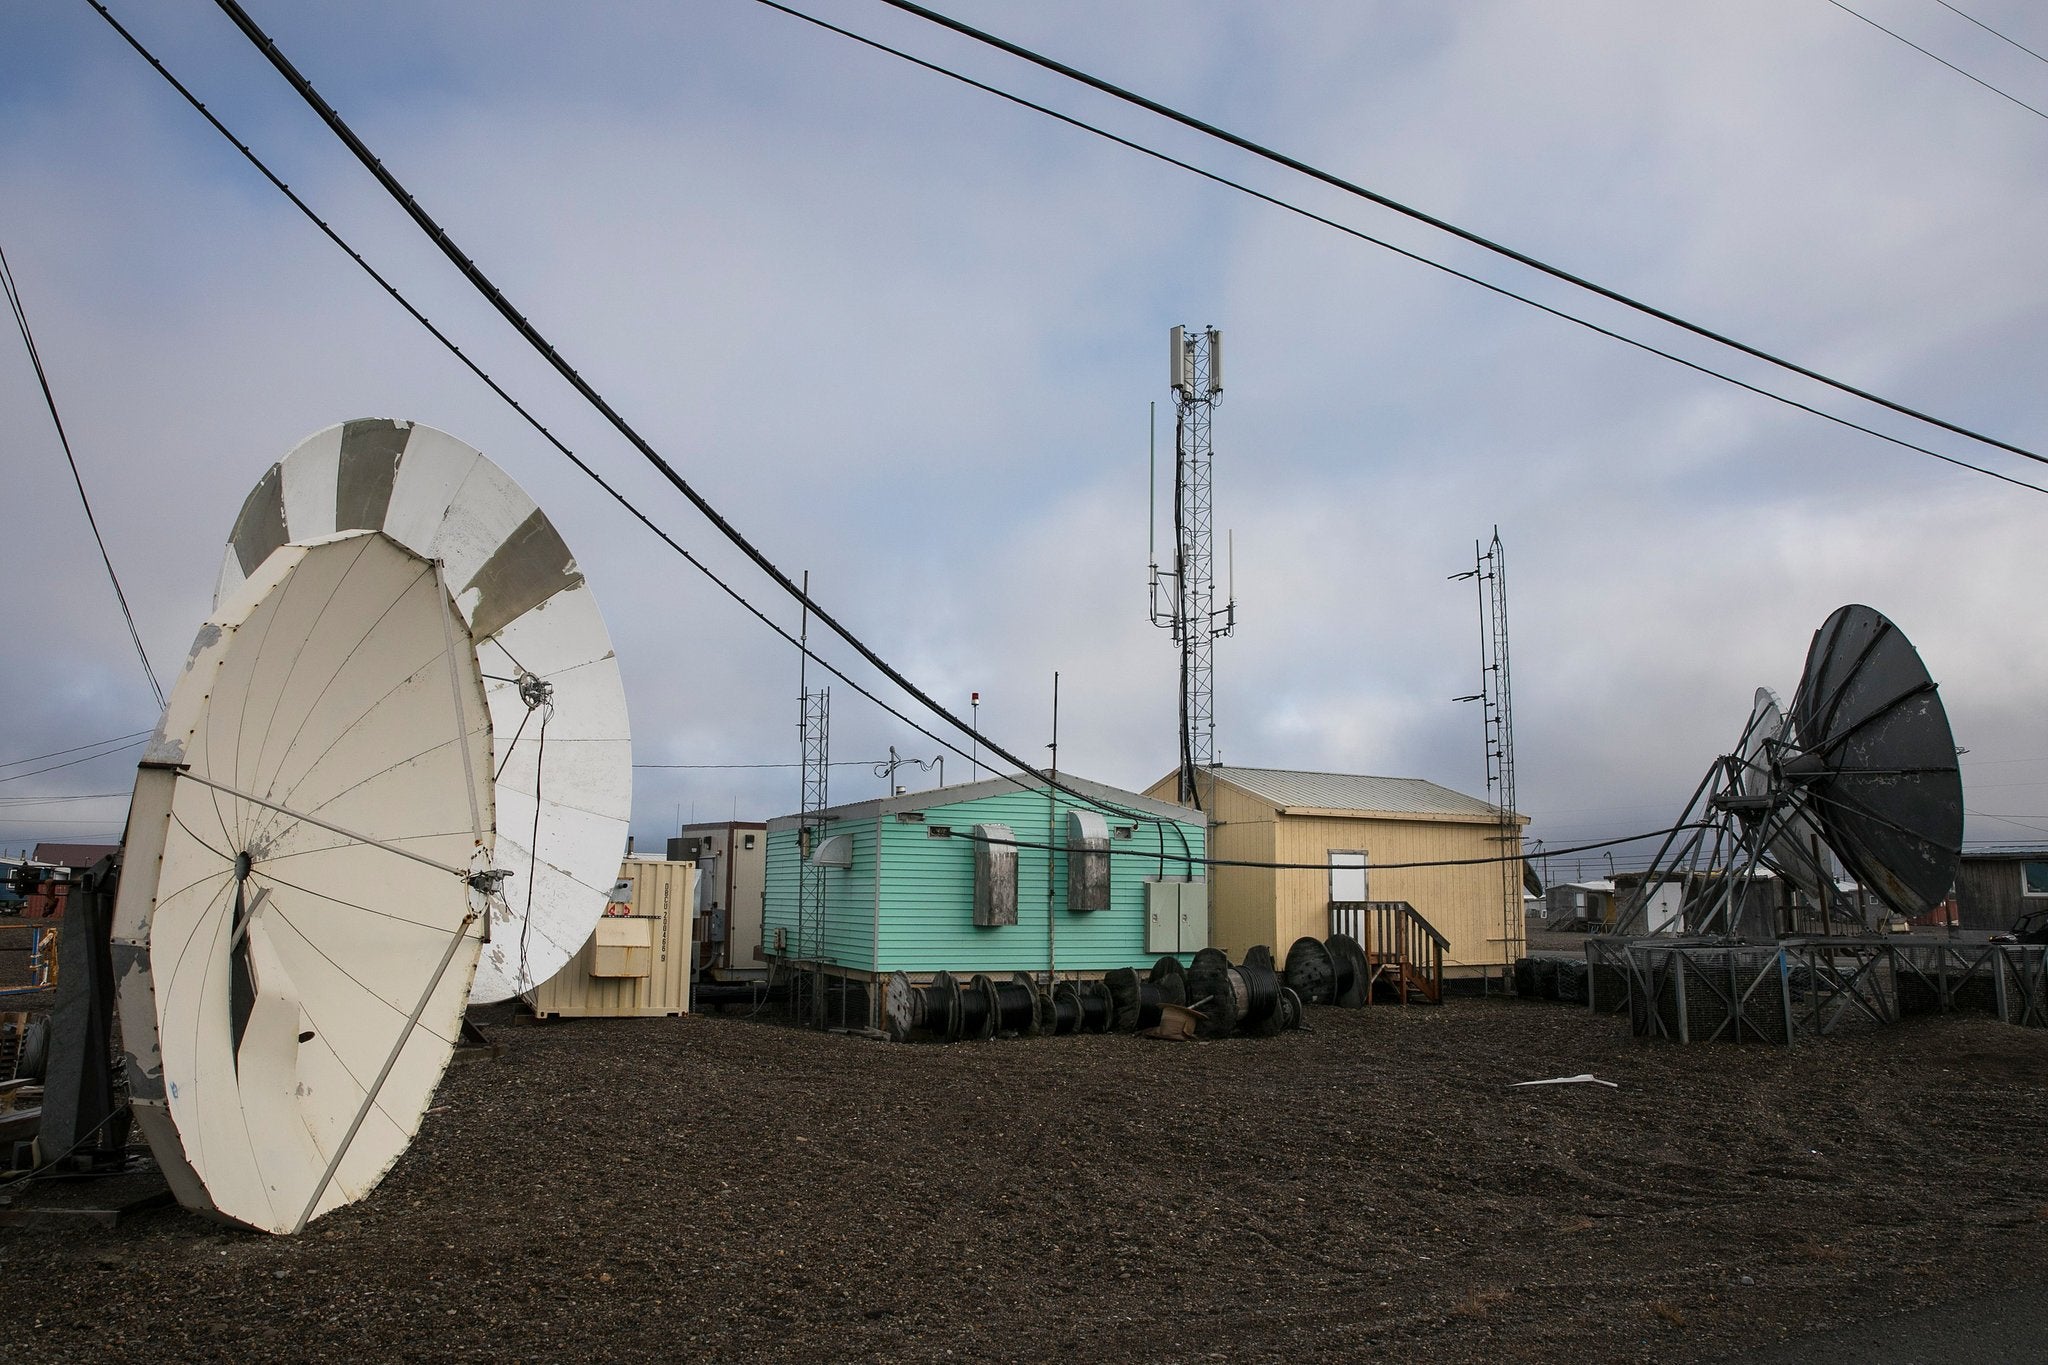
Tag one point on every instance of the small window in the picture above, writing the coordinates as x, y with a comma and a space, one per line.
2034, 879
1123, 831
750, 841
938, 831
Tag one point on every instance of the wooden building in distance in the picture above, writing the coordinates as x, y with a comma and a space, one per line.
1348, 828
1994, 887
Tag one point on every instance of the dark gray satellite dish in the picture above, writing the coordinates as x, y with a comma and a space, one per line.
1877, 761
1864, 766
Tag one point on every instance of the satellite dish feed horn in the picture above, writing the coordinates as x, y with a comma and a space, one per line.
308, 865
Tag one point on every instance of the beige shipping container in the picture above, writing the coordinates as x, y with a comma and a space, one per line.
637, 961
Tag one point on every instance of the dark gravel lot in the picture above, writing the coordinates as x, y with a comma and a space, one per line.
714, 1188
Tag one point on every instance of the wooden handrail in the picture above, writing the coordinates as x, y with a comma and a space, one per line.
1397, 940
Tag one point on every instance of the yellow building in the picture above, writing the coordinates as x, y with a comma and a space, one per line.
1354, 831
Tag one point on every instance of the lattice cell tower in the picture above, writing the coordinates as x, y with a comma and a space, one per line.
1184, 596
1497, 705
814, 726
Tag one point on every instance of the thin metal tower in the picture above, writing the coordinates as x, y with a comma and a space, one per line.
814, 726
1496, 698
1184, 598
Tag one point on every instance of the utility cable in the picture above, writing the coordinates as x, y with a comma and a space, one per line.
1440, 224
71, 763
1992, 31
1206, 861
74, 749
449, 344
1892, 33
836, 763
50, 401
1363, 236
548, 351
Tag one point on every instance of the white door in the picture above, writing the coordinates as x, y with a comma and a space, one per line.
1347, 876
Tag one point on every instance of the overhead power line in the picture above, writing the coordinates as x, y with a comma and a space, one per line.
701, 767
1894, 33
50, 401
519, 323
1442, 225
74, 749
534, 338
17, 802
1992, 31
1363, 236
72, 763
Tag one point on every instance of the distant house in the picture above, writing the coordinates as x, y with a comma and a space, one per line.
1995, 886
1580, 905
1354, 831
54, 868
997, 876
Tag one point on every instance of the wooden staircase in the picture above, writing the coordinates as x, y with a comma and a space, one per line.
1403, 951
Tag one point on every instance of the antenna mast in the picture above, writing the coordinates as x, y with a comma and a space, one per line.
1183, 599
815, 728
1496, 698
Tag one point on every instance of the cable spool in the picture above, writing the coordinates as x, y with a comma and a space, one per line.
1214, 992
1137, 1002
1292, 1013
1353, 982
1311, 973
1172, 980
1260, 1016
905, 1008
943, 1014
1066, 1008
1015, 1005
1259, 955
1098, 1006
1041, 1004
977, 1005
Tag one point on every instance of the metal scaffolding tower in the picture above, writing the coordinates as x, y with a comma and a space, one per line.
1496, 698
1184, 598
814, 726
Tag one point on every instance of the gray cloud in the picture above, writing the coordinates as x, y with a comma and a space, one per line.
906, 336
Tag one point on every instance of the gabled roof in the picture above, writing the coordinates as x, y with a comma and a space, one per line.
1301, 793
933, 798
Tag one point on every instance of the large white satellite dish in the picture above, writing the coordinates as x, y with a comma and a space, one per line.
307, 864
563, 759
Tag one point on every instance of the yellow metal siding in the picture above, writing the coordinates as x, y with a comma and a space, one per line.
1464, 903
663, 895
1275, 907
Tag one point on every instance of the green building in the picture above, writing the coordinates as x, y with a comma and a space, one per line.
956, 879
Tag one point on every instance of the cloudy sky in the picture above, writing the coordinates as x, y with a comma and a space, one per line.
905, 336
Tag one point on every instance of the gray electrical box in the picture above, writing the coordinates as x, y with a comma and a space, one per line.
995, 876
1176, 916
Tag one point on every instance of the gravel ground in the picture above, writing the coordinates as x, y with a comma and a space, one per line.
717, 1188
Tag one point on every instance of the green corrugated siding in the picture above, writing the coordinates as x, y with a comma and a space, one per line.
928, 892
849, 899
